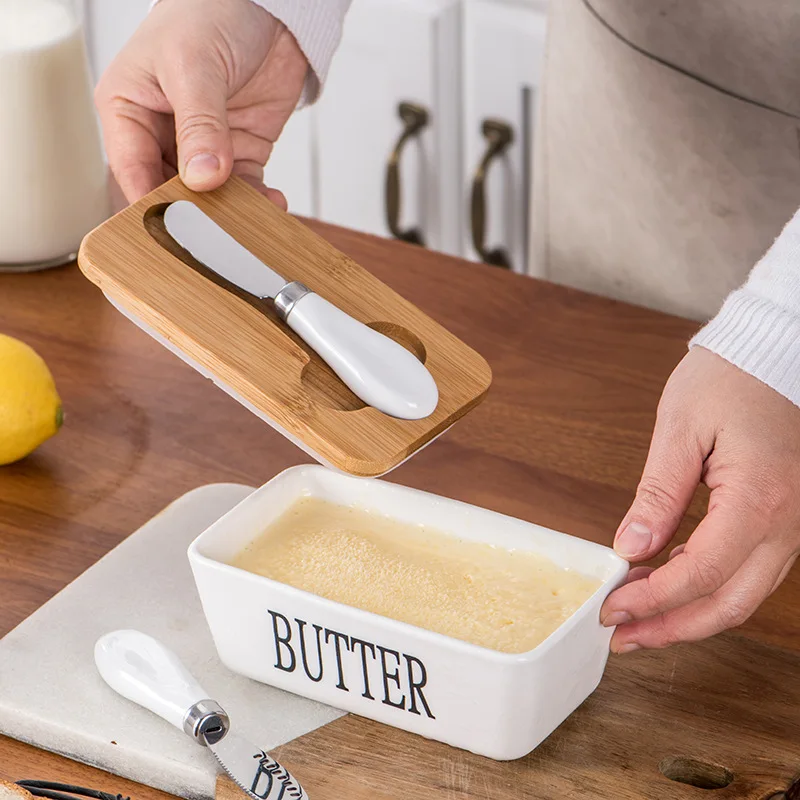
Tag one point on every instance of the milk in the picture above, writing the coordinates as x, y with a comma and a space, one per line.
53, 186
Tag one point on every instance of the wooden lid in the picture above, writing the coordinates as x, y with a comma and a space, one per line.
241, 343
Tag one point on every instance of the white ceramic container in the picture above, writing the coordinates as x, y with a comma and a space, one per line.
495, 704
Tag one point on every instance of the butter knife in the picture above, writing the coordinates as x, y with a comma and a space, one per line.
143, 670
377, 369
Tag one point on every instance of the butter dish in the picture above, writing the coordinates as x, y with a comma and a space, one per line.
492, 703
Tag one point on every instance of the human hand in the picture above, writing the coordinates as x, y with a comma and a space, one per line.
203, 88
719, 425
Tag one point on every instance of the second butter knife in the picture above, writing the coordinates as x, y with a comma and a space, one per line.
376, 368
144, 671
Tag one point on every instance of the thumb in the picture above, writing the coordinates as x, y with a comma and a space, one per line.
671, 474
205, 150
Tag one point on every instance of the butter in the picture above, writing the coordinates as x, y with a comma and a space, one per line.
505, 600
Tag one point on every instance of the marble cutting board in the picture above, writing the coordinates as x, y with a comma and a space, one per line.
51, 695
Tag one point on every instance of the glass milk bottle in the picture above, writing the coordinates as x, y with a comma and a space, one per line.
53, 185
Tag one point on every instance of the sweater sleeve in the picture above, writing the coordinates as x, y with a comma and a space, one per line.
317, 27
758, 327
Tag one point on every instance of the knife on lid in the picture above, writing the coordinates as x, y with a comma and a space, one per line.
377, 369
143, 670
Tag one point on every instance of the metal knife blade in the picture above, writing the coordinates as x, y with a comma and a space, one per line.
259, 775
196, 232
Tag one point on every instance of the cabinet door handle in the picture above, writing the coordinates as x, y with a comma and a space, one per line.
499, 136
414, 118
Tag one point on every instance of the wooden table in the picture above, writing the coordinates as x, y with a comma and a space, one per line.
560, 440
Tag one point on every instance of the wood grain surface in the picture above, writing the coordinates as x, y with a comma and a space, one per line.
560, 440
242, 342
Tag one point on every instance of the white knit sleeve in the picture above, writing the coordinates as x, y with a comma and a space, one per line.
317, 27
758, 328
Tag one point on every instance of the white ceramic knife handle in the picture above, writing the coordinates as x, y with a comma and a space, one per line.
376, 368
142, 670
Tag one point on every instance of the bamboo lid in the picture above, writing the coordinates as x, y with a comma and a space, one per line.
240, 343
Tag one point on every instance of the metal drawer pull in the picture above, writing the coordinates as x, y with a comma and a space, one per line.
415, 118
499, 135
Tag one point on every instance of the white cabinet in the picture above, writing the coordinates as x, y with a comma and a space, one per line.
394, 52
475, 66
503, 61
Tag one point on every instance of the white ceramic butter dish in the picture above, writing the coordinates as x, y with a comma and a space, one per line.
495, 704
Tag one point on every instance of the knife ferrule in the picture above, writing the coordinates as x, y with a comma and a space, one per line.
288, 296
206, 722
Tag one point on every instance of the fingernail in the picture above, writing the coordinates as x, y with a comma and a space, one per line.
634, 541
628, 647
617, 618
201, 167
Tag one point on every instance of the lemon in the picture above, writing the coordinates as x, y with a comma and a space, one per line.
30, 408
